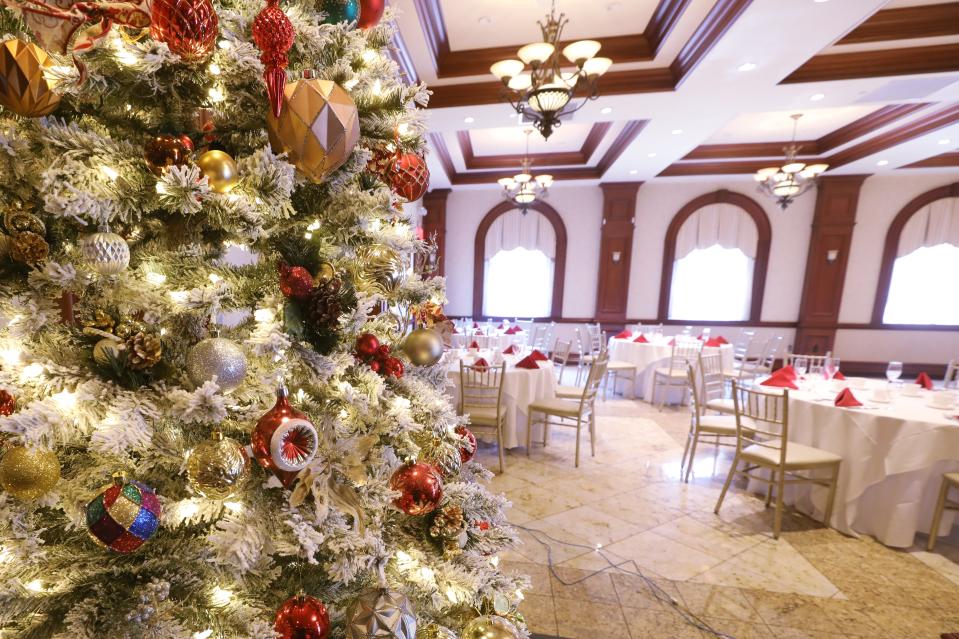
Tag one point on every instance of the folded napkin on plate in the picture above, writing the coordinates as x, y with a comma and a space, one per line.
641, 340
510, 351
481, 364
924, 381
623, 335
500, 327
786, 371
839, 376
672, 342
537, 356
846, 399
527, 362
475, 325
779, 380
714, 342
722, 340
513, 330
473, 344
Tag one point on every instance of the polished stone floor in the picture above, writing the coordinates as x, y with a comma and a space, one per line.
726, 570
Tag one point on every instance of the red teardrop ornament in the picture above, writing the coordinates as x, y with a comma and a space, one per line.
284, 440
188, 27
273, 34
370, 13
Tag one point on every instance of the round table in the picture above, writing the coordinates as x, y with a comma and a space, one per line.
499, 340
647, 356
521, 387
893, 457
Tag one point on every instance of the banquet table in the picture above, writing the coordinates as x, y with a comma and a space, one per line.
648, 356
893, 457
521, 387
498, 340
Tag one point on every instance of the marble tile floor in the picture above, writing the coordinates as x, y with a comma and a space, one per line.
727, 570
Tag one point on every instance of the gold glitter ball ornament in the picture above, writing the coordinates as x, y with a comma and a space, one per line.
218, 467
217, 357
325, 273
29, 248
424, 347
490, 627
220, 170
318, 126
107, 350
381, 614
435, 631
24, 87
28, 473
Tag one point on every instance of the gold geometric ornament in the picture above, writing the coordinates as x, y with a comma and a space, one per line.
318, 126
24, 89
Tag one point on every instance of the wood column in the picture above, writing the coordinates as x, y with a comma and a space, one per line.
615, 249
434, 223
837, 199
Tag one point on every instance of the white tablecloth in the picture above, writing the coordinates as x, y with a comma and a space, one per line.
893, 458
656, 353
499, 340
521, 387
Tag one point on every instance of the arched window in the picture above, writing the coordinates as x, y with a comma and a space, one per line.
917, 283
519, 263
714, 262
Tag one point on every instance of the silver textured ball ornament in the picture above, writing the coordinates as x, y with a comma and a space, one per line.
424, 347
381, 613
220, 357
107, 253
490, 627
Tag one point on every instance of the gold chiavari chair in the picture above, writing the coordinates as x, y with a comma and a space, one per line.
560, 357
673, 375
815, 363
481, 397
717, 427
949, 480
712, 383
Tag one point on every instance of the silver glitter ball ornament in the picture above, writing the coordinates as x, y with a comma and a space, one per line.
220, 357
490, 627
381, 614
107, 253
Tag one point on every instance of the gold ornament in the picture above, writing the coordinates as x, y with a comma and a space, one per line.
19, 219
325, 273
107, 350
99, 319
424, 347
144, 350
127, 327
219, 169
5, 244
24, 88
218, 467
29, 248
449, 528
435, 631
490, 627
28, 473
318, 126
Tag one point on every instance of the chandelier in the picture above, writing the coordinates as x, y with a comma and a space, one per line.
787, 182
523, 189
545, 92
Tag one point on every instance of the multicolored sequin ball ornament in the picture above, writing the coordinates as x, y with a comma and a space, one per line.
124, 515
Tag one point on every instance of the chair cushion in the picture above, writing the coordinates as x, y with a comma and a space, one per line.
616, 365
797, 455
677, 373
555, 406
721, 405
482, 416
569, 392
718, 424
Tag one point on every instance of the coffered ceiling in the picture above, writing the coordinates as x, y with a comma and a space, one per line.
698, 87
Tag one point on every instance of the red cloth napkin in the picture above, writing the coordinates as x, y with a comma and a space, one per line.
481, 364
846, 399
456, 331
672, 342
479, 331
475, 325
713, 342
623, 335
473, 344
500, 327
722, 340
839, 375
510, 350
786, 371
513, 330
779, 381
924, 381
538, 357
641, 340
527, 362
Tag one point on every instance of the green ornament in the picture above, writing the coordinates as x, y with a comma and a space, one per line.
340, 10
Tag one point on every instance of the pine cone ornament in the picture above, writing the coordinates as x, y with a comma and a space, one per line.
324, 306
29, 248
99, 319
448, 522
143, 351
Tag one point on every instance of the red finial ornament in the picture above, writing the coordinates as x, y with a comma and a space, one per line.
273, 34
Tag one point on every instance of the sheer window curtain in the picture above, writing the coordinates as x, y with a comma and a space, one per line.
519, 282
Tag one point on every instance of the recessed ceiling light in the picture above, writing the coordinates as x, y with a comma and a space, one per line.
816, 97
945, 141
633, 172
469, 119
820, 1
485, 20
677, 131
651, 155
882, 162
614, 6
606, 110
747, 66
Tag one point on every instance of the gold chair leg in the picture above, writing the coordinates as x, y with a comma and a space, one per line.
778, 526
530, 424
692, 456
689, 439
831, 501
579, 422
769, 489
499, 446
592, 434
729, 480
937, 516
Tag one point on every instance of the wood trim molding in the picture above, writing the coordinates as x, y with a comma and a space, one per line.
512, 161
942, 160
443, 154
660, 25
903, 23
559, 263
763, 227
936, 58
615, 249
892, 243
719, 19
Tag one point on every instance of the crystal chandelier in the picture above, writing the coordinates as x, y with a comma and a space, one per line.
793, 178
523, 189
545, 92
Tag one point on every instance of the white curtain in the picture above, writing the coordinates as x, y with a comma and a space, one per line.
723, 224
513, 229
936, 223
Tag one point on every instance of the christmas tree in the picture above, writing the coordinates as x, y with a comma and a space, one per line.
216, 421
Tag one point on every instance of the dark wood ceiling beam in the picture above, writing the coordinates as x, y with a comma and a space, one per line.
664, 19
903, 23
940, 58
747, 150
717, 22
944, 160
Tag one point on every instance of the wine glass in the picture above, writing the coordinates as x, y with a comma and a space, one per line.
894, 371
801, 366
830, 366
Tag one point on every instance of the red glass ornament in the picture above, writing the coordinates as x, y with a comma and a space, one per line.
393, 367
366, 345
483, 525
163, 151
295, 281
188, 27
7, 403
375, 366
273, 34
421, 488
370, 13
302, 617
466, 452
284, 440
410, 177
383, 351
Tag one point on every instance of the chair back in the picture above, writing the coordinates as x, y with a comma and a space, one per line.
590, 340
597, 372
762, 418
743, 343
481, 387
536, 335
770, 351
814, 363
560, 354
696, 406
545, 337
712, 382
682, 355
952, 374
